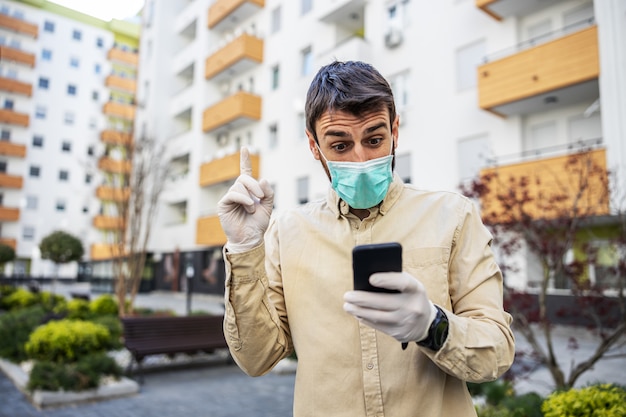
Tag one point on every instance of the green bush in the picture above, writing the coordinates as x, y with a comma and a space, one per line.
20, 298
104, 305
52, 302
84, 374
602, 400
66, 340
114, 326
78, 309
15, 328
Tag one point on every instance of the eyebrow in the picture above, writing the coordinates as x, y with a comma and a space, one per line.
342, 134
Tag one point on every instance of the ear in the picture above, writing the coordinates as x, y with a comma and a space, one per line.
395, 129
313, 145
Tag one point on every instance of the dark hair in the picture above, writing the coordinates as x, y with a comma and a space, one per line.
352, 86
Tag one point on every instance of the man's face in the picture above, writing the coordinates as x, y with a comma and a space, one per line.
345, 137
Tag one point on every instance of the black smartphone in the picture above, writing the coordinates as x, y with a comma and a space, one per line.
375, 257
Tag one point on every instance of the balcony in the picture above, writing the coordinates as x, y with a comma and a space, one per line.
240, 109
11, 181
12, 149
116, 82
9, 242
113, 137
103, 251
500, 9
563, 71
14, 118
122, 110
109, 193
238, 56
553, 184
227, 14
111, 165
354, 47
18, 25
16, 55
9, 214
123, 57
209, 232
346, 14
225, 169
14, 86
108, 222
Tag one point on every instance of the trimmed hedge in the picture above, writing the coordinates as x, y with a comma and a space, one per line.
602, 400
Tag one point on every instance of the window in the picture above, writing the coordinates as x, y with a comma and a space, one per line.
28, 233
303, 190
90, 151
99, 42
400, 85
69, 118
473, 154
273, 136
71, 90
97, 68
8, 104
74, 62
40, 112
307, 61
44, 83
64, 175
467, 60
275, 23
66, 146
403, 167
87, 178
48, 26
38, 141
60, 206
5, 134
95, 95
275, 77
305, 6
398, 14
46, 54
34, 171
3, 166
31, 202
76, 35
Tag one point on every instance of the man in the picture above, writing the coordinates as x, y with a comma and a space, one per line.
289, 278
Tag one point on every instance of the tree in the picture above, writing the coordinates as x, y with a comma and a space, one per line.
557, 212
61, 247
7, 254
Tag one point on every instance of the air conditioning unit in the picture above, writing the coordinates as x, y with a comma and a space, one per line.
393, 37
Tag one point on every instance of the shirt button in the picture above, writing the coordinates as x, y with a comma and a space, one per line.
370, 366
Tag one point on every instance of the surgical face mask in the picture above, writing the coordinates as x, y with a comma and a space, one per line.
361, 184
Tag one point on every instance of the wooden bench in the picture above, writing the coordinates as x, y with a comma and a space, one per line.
154, 335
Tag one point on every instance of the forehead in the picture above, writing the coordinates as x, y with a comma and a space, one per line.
340, 120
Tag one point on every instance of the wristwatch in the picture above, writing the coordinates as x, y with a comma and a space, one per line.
438, 331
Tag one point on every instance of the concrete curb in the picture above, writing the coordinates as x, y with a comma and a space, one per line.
42, 399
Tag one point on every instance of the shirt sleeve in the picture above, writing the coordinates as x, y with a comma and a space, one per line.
257, 336
480, 345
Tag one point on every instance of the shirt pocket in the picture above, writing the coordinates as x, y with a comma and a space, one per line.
430, 266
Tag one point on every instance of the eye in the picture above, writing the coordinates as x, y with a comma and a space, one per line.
375, 141
339, 147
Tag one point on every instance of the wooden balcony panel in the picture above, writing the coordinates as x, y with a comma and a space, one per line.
108, 222
237, 108
9, 214
107, 193
564, 62
104, 251
16, 87
549, 178
224, 169
209, 232
111, 165
9, 242
16, 55
120, 83
245, 49
124, 57
11, 181
12, 149
484, 6
114, 137
234, 10
125, 111
19, 25
14, 118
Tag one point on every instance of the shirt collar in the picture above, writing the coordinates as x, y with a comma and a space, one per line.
341, 208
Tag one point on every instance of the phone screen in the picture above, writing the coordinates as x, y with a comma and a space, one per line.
376, 257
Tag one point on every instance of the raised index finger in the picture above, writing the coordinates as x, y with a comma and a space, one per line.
245, 166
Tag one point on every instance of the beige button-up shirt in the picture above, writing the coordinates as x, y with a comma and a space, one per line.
288, 293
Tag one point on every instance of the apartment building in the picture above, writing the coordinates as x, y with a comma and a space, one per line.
477, 83
65, 79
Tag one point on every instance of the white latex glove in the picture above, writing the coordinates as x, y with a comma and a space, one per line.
406, 315
245, 209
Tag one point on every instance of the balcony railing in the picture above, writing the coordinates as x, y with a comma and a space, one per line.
239, 109
226, 14
109, 193
104, 251
115, 137
123, 57
108, 222
15, 86
12, 149
124, 111
14, 118
18, 25
16, 55
239, 55
225, 169
9, 214
11, 181
114, 166
9, 242
209, 231
121, 83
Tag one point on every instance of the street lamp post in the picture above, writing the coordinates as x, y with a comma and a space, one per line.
189, 273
